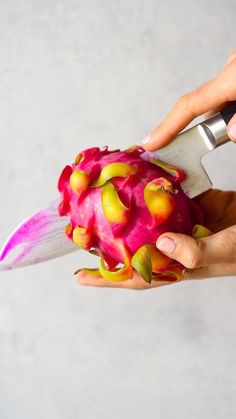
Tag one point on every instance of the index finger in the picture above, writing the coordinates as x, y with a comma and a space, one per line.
135, 283
204, 98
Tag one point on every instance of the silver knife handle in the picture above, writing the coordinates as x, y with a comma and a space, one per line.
215, 128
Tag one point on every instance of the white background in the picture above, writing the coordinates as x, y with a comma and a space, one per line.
75, 74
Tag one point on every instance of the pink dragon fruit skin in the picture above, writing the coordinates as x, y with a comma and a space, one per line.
117, 206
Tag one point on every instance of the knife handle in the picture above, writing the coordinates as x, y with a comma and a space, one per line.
215, 128
228, 112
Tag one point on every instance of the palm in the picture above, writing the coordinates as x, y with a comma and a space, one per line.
219, 209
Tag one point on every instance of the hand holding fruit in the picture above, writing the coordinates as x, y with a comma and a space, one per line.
205, 257
124, 211
214, 255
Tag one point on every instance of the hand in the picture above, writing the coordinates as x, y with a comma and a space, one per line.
209, 97
208, 257
214, 255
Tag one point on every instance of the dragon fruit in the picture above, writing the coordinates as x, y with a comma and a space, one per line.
118, 203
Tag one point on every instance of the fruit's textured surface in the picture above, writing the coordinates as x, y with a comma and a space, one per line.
118, 203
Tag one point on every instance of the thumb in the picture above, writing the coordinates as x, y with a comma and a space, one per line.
231, 128
193, 253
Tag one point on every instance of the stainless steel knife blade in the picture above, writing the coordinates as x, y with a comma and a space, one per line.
188, 148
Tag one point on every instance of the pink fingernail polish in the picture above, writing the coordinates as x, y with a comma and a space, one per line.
166, 245
146, 139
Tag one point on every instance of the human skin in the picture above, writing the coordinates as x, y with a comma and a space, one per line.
210, 256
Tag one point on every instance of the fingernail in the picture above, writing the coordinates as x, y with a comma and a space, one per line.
146, 139
232, 131
166, 245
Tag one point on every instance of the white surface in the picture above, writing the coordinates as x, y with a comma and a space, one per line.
75, 74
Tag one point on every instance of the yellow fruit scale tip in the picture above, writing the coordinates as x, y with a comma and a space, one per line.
79, 180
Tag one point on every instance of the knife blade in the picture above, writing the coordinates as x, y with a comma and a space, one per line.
41, 236
188, 148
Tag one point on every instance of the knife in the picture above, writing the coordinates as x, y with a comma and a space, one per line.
189, 147
41, 236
